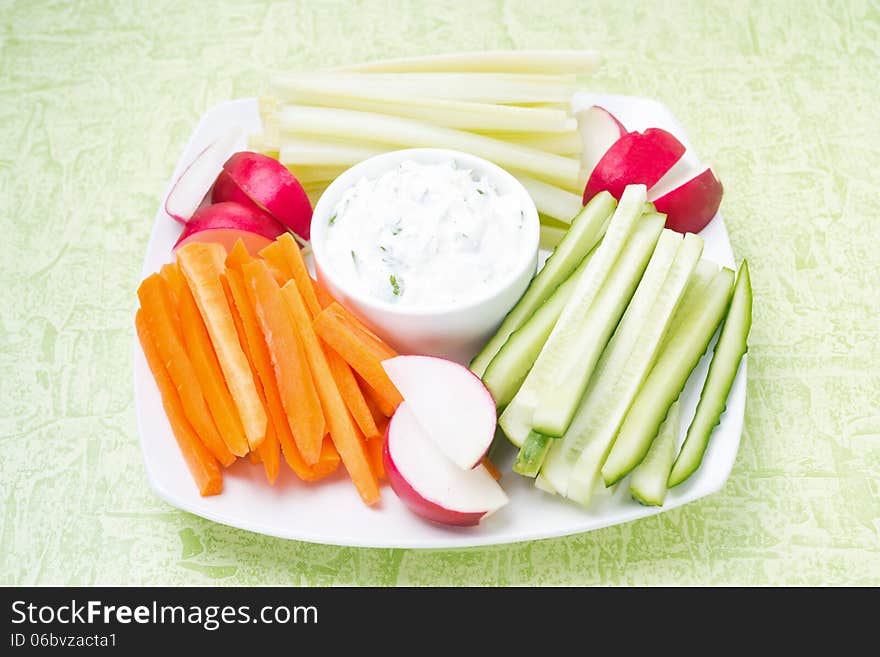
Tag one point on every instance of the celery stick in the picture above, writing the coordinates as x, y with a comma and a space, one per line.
322, 154
666, 380
550, 200
613, 401
348, 124
475, 87
561, 143
551, 236
585, 232
315, 174
516, 61
464, 115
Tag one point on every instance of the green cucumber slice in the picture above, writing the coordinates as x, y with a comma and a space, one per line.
732, 345
648, 481
625, 382
592, 420
512, 363
517, 418
666, 380
702, 275
585, 232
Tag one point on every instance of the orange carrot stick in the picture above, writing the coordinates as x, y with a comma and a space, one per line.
202, 265
295, 384
202, 465
268, 452
351, 394
343, 430
379, 409
297, 266
493, 470
375, 446
273, 254
207, 369
254, 457
360, 349
262, 361
160, 318
323, 296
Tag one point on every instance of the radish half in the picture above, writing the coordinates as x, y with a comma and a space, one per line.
690, 205
226, 223
270, 185
456, 410
599, 129
636, 158
193, 184
428, 483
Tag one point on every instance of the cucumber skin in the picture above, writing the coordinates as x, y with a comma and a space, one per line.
532, 299
648, 481
656, 403
732, 346
510, 366
531, 455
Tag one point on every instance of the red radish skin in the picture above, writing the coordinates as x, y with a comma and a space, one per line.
270, 185
418, 504
227, 221
690, 206
635, 158
225, 190
191, 188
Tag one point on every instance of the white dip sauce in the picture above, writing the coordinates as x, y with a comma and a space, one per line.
425, 235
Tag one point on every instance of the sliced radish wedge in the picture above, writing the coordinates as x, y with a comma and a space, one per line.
431, 485
225, 190
270, 185
225, 223
636, 158
194, 183
599, 129
690, 206
452, 404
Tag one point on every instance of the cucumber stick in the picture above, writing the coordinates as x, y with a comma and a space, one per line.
693, 294
626, 381
517, 418
531, 454
592, 421
574, 352
585, 232
667, 378
648, 481
612, 300
732, 344
512, 363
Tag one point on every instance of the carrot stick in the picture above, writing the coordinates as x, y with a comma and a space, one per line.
492, 469
254, 457
297, 265
207, 369
295, 384
160, 318
343, 430
351, 394
375, 446
268, 452
380, 409
262, 361
202, 265
238, 256
273, 254
202, 465
360, 349
323, 296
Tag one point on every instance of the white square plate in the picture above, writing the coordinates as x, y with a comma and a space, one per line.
331, 511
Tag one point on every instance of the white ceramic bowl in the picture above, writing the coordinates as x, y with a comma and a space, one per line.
457, 332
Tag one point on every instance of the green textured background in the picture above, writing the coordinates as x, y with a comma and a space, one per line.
96, 102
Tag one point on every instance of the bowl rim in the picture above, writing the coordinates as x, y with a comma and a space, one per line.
377, 165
